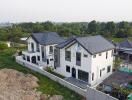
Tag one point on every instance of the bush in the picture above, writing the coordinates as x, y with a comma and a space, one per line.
3, 46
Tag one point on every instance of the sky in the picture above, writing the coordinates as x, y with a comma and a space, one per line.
65, 10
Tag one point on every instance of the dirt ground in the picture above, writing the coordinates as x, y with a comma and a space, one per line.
15, 85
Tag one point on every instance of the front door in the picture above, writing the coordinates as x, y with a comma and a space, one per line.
74, 72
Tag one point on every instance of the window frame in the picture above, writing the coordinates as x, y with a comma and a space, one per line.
51, 49
68, 69
68, 55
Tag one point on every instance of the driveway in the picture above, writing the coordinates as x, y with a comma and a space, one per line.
77, 82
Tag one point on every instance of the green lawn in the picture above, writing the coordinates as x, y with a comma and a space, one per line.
46, 85
116, 40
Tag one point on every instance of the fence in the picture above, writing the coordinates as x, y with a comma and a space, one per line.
89, 93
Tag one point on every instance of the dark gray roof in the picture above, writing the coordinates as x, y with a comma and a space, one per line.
126, 44
47, 38
93, 44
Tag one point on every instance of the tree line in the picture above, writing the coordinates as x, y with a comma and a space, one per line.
107, 29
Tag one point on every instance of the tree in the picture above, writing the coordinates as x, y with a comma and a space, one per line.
93, 27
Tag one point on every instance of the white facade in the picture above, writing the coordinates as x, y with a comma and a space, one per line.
87, 67
36, 51
89, 63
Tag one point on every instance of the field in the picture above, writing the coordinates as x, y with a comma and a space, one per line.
46, 85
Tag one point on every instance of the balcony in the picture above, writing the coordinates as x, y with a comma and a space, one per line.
30, 53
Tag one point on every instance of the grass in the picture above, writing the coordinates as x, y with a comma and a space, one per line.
117, 40
46, 85
50, 70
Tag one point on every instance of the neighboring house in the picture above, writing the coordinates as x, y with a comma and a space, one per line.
124, 48
89, 59
124, 51
41, 48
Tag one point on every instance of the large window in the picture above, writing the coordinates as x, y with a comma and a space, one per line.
68, 55
32, 47
108, 69
37, 46
83, 75
78, 58
67, 68
51, 49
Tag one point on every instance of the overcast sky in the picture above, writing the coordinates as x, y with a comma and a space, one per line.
65, 10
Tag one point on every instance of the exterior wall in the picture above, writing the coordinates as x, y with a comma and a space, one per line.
88, 64
29, 41
99, 63
85, 61
46, 52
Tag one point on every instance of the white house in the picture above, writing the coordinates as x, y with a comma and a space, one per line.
89, 59
41, 48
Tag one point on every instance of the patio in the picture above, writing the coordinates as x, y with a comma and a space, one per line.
77, 82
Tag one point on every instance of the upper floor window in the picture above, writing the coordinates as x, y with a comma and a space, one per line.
112, 52
37, 46
106, 55
85, 55
92, 76
68, 55
32, 47
51, 49
78, 58
100, 54
94, 56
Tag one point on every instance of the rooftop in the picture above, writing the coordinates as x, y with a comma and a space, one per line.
93, 44
47, 38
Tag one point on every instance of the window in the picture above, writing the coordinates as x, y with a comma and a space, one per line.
82, 75
68, 69
51, 49
108, 69
94, 56
100, 54
32, 47
24, 58
92, 76
78, 58
37, 46
51, 59
38, 57
68, 55
85, 55
42, 49
106, 55
100, 73
28, 58
112, 52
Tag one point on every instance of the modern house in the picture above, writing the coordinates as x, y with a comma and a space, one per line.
41, 48
89, 59
124, 51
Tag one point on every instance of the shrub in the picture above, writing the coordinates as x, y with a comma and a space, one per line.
3, 46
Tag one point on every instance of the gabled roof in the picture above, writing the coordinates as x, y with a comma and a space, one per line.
126, 44
93, 44
47, 38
